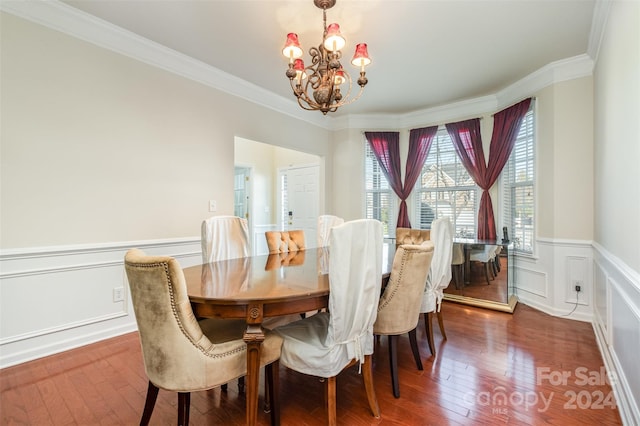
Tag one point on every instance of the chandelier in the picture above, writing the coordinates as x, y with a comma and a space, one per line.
317, 87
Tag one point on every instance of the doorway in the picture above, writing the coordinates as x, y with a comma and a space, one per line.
298, 200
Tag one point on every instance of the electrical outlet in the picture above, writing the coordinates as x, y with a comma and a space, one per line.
118, 294
577, 285
213, 206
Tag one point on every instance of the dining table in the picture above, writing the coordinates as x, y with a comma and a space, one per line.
264, 286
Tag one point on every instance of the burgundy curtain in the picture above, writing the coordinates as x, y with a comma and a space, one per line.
386, 147
468, 143
419, 145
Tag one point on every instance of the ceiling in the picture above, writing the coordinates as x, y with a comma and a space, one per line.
425, 53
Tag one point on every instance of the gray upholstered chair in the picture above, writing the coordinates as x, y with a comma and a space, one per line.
399, 307
326, 343
180, 353
285, 241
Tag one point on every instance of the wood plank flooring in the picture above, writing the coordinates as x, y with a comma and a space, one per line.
523, 369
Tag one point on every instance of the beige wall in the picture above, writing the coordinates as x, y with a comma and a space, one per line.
617, 135
98, 147
564, 163
564, 169
348, 184
265, 160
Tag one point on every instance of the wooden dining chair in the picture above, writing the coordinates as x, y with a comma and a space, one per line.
285, 241
325, 344
399, 306
182, 354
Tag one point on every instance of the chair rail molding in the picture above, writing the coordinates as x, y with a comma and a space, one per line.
58, 298
609, 286
617, 289
547, 281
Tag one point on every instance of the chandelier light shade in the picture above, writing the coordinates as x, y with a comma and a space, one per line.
317, 86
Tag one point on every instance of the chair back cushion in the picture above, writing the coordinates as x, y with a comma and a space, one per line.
325, 223
440, 274
399, 307
224, 237
285, 241
412, 236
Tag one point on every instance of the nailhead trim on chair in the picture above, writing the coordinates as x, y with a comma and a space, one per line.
165, 265
395, 290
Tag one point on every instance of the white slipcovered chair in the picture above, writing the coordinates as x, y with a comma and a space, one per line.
224, 237
325, 344
457, 265
485, 255
439, 276
182, 354
399, 306
325, 223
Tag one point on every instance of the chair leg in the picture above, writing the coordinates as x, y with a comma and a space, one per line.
414, 348
393, 364
184, 400
429, 331
330, 395
486, 272
272, 379
241, 384
152, 395
441, 324
367, 373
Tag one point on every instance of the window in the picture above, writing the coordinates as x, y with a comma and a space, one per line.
380, 200
444, 188
284, 200
518, 192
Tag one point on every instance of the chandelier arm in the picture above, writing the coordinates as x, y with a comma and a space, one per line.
318, 86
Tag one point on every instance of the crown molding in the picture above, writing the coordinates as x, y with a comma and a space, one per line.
598, 25
66, 19
555, 72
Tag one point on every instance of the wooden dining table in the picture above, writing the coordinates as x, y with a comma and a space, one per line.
259, 287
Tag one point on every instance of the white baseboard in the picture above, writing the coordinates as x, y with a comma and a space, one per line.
59, 298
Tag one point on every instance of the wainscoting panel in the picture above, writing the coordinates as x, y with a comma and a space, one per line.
577, 274
547, 281
617, 328
531, 281
601, 301
259, 240
55, 299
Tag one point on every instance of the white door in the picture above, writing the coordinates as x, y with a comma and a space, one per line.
300, 195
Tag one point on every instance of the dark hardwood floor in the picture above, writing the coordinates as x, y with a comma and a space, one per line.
523, 369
